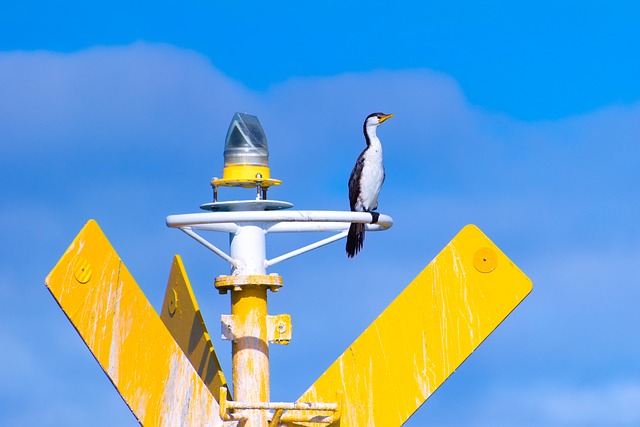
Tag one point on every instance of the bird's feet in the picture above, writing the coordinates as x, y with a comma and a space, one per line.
374, 217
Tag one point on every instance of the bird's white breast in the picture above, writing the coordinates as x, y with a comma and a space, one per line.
372, 177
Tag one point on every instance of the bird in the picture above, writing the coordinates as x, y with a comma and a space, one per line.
366, 181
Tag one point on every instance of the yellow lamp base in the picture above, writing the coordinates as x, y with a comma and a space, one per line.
246, 176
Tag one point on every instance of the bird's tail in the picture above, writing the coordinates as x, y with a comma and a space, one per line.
355, 239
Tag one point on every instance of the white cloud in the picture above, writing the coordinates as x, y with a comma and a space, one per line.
549, 404
114, 97
609, 404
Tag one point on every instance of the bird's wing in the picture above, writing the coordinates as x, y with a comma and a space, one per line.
353, 181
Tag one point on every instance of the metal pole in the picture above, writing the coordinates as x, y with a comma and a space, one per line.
248, 249
250, 347
250, 351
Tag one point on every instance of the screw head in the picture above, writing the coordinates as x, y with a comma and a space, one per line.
82, 270
485, 260
173, 303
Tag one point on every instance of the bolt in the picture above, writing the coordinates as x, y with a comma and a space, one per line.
485, 260
173, 303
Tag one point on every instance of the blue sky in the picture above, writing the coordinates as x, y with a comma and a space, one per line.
522, 119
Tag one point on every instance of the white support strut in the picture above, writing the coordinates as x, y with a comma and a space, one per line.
287, 221
307, 248
240, 222
209, 245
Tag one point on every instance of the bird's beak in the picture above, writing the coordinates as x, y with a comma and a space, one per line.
383, 118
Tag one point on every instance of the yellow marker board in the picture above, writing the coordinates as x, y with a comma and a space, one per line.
126, 336
424, 334
181, 315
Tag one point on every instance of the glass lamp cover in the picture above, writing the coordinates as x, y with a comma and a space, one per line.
246, 142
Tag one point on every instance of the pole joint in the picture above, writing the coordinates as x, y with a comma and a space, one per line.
236, 283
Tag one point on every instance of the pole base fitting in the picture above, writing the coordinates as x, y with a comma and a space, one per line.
236, 283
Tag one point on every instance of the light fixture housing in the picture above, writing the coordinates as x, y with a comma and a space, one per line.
246, 152
246, 157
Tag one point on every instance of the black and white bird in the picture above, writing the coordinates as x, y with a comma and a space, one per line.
366, 181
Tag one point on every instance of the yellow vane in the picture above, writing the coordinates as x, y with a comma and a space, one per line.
424, 334
181, 315
380, 380
126, 336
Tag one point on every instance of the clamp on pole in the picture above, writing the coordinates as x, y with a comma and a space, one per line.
306, 412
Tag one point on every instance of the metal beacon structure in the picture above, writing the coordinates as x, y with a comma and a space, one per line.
165, 367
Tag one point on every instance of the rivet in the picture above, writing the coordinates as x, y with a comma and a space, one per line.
82, 270
485, 260
282, 328
173, 302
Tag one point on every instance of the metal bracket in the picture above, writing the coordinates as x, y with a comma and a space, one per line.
278, 328
305, 412
227, 327
272, 221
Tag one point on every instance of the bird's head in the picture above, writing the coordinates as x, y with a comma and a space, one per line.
376, 119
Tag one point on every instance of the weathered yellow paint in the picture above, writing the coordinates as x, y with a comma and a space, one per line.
126, 336
236, 283
279, 329
424, 335
181, 315
250, 350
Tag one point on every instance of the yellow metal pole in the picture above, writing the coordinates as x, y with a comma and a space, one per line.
248, 328
250, 351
